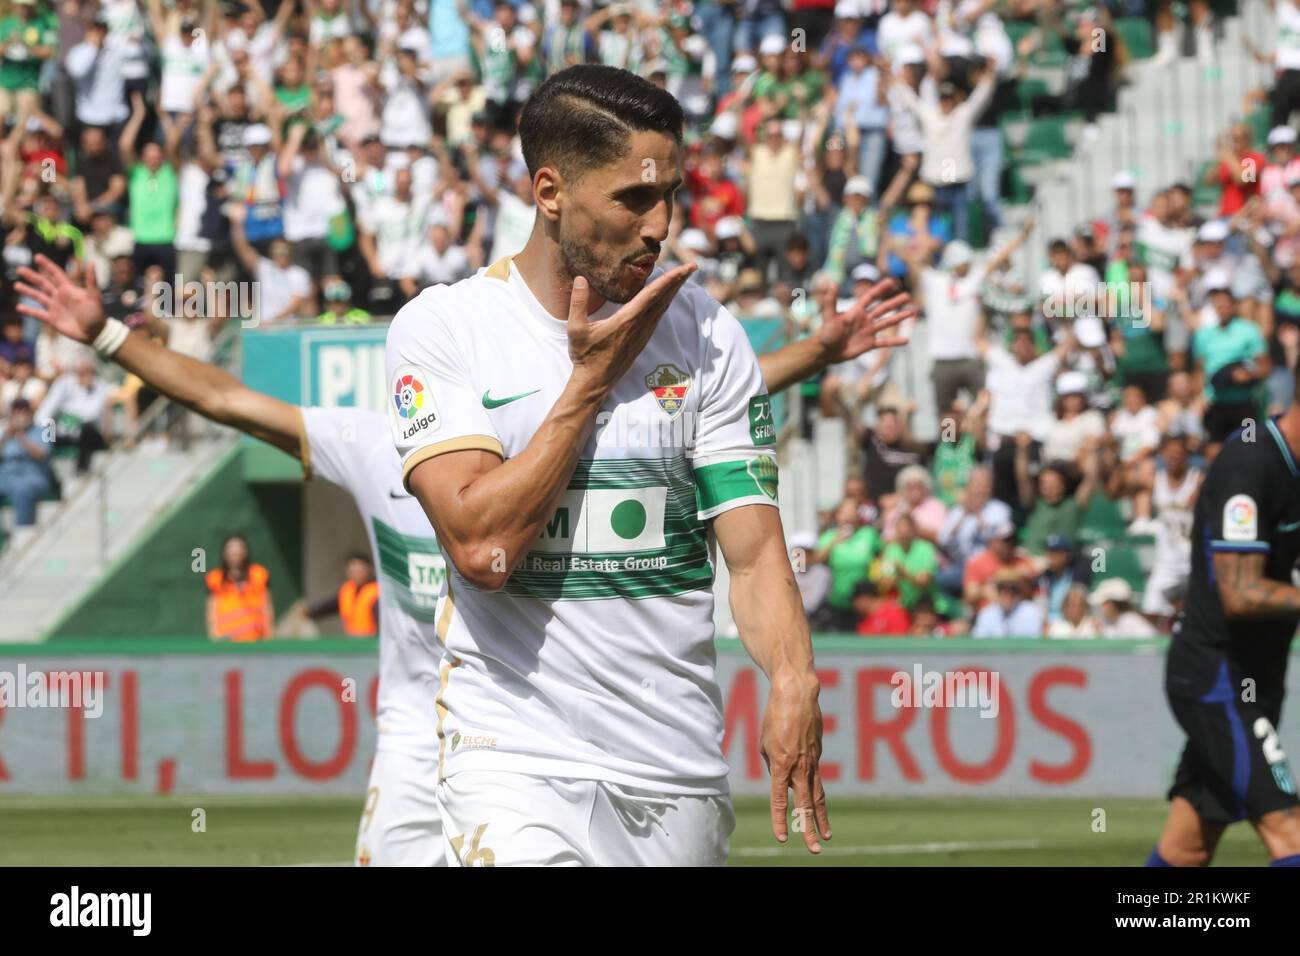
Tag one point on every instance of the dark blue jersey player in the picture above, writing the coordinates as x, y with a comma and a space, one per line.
1226, 671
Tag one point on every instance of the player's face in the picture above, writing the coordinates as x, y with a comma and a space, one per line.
615, 218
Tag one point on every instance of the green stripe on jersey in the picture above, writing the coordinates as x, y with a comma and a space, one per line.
411, 571
728, 480
623, 529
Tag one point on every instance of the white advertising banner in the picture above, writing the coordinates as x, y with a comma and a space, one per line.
944, 719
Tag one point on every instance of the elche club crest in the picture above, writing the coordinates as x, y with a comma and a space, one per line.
669, 385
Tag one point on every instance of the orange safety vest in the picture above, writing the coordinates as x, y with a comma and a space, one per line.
357, 608
242, 608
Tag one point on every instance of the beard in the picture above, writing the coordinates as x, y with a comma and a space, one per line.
612, 280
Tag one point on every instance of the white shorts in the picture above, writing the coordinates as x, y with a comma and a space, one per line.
499, 818
400, 825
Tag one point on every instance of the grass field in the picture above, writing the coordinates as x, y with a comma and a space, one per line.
895, 832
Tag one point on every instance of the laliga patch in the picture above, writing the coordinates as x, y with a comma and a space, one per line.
1240, 519
413, 411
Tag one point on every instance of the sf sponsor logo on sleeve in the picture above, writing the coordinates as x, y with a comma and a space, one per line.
414, 411
1240, 519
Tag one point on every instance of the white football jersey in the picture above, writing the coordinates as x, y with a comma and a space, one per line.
596, 659
351, 447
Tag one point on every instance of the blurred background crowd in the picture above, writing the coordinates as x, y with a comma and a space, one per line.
1027, 466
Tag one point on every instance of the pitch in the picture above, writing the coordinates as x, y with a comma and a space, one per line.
152, 831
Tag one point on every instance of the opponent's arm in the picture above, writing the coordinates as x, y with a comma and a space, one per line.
769, 615
841, 337
1246, 593
76, 312
488, 512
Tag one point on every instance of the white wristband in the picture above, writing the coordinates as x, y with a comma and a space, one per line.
110, 338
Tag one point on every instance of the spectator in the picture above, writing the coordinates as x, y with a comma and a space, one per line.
999, 554
76, 406
283, 289
946, 160
1011, 613
1238, 172
770, 177
855, 231
98, 70
28, 35
1232, 358
1173, 486
863, 113
1113, 600
239, 606
915, 498
911, 564
848, 549
879, 613
1077, 429
887, 449
1075, 621
1053, 509
24, 472
153, 193
1062, 572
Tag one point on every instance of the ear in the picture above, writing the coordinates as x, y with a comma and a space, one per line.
549, 190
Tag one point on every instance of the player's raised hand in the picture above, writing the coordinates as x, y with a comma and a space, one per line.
860, 328
792, 748
603, 351
74, 310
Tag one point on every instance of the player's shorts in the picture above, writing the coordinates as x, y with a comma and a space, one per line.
400, 825
500, 818
1232, 767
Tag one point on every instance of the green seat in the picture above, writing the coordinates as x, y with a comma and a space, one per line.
1136, 34
1016, 191
1017, 30
1101, 521
1122, 561
1044, 141
1259, 121
1028, 88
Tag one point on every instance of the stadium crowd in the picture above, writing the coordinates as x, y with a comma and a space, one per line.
338, 155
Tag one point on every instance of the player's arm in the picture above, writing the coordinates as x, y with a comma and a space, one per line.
487, 511
769, 614
76, 312
841, 337
1246, 592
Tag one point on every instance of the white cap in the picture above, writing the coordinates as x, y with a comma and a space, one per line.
397, 161
771, 45
1089, 332
858, 186
1112, 589
725, 125
1216, 280
1281, 135
258, 134
1071, 383
909, 54
865, 272
791, 130
1123, 180
694, 240
956, 254
847, 10
744, 64
728, 227
1215, 230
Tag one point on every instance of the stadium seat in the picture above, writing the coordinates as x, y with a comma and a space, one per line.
1101, 520
1044, 141
1029, 87
1259, 121
1136, 34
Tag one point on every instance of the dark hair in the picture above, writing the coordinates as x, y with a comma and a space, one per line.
248, 552
797, 241
583, 116
359, 556
1058, 245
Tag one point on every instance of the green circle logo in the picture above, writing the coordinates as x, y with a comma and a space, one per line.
628, 518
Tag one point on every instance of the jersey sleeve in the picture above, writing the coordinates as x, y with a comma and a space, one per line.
337, 445
734, 456
1239, 515
433, 406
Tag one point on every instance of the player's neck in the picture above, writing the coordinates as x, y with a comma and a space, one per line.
540, 266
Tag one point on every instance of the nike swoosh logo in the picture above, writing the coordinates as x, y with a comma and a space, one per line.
489, 402
399, 495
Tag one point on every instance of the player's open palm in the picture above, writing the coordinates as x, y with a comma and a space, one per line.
862, 326
75, 310
792, 748
605, 350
